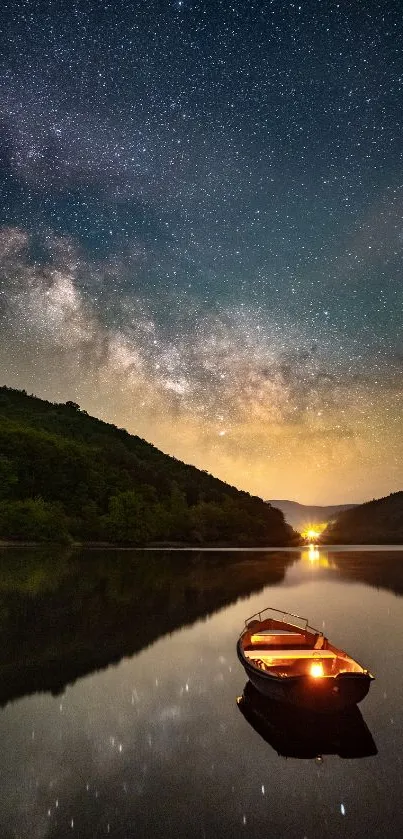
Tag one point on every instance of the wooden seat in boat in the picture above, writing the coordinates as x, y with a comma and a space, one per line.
278, 637
268, 654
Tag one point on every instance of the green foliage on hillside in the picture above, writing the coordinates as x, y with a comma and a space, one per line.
377, 522
67, 476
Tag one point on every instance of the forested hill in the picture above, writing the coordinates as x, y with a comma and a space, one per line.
377, 522
65, 476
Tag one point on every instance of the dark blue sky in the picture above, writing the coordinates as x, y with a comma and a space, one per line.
201, 220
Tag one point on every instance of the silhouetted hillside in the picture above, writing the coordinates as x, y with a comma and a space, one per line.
300, 515
377, 522
65, 475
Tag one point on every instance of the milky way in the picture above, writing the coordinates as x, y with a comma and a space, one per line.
201, 231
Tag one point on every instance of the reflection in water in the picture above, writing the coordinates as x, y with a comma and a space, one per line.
154, 746
318, 557
379, 568
304, 734
65, 615
313, 553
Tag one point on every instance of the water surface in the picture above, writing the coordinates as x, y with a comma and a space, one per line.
119, 681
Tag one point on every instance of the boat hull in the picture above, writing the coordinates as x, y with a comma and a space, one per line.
325, 695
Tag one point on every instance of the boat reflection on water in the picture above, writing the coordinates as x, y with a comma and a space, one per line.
301, 733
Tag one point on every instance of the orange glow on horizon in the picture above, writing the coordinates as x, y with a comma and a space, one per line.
312, 532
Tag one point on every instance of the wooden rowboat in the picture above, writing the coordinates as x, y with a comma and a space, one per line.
290, 661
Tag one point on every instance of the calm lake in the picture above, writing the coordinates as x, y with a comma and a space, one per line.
118, 689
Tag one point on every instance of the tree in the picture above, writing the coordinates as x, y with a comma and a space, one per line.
33, 520
8, 477
129, 518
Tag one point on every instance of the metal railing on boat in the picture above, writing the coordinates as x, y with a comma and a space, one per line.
284, 617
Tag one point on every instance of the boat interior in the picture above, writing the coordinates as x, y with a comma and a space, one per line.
283, 650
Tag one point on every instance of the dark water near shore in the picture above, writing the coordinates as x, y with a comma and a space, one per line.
118, 691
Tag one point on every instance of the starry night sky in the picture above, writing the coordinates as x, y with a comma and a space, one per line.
201, 231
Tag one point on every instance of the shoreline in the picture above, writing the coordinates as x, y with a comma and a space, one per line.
218, 546
168, 546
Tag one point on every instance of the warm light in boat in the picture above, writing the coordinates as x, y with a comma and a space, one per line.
317, 669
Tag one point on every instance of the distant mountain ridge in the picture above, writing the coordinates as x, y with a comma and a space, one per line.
300, 515
378, 522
